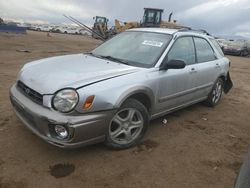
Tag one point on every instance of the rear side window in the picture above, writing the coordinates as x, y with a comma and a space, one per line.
203, 50
217, 46
183, 49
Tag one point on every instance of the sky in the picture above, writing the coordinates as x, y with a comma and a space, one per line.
219, 17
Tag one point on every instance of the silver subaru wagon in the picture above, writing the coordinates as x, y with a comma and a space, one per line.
111, 93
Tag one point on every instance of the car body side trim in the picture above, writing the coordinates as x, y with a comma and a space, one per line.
179, 94
176, 108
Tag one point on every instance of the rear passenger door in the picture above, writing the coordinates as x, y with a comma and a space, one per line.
208, 67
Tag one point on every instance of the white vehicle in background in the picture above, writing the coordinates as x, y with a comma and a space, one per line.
37, 28
222, 43
73, 30
84, 32
66, 30
45, 28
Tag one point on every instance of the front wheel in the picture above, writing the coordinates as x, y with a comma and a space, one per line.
128, 125
215, 95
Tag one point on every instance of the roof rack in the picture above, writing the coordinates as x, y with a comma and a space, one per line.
194, 30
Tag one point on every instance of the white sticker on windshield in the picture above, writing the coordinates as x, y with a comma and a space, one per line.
152, 43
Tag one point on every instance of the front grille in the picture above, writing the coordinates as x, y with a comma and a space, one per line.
30, 93
24, 114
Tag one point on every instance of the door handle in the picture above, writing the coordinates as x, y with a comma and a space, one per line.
217, 65
192, 70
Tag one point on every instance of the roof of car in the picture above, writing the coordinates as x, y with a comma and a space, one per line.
157, 30
201, 33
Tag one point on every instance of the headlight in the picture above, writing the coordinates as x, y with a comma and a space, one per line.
65, 100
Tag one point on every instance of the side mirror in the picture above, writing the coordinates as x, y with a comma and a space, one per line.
173, 64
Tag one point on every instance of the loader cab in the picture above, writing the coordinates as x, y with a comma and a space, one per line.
152, 17
100, 26
100, 20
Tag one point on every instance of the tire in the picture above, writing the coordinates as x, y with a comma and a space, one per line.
242, 180
215, 95
245, 53
128, 125
242, 53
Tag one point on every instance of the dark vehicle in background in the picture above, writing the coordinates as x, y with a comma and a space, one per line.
243, 178
240, 48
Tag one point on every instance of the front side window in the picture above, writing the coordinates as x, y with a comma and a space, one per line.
141, 49
203, 50
183, 49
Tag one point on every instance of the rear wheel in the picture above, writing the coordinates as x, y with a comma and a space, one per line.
216, 93
128, 125
244, 53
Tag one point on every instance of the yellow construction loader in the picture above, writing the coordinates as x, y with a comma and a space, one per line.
126, 25
152, 18
100, 27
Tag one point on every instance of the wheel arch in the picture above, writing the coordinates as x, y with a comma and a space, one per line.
223, 77
142, 94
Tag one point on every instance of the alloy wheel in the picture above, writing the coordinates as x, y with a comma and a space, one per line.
216, 93
126, 126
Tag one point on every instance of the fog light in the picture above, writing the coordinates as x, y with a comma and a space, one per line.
61, 131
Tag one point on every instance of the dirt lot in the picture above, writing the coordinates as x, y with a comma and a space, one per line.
198, 147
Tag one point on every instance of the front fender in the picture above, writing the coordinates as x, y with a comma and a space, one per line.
111, 98
135, 90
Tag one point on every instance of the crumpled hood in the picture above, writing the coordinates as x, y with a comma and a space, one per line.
47, 76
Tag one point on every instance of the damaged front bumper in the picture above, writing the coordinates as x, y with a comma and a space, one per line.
84, 129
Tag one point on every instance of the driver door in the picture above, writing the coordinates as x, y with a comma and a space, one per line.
177, 86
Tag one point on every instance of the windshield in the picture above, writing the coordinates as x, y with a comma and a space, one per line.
100, 20
141, 49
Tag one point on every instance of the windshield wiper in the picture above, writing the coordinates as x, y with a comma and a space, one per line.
90, 53
115, 59
109, 58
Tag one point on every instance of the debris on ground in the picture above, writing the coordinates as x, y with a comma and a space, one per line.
232, 136
164, 121
205, 119
26, 51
